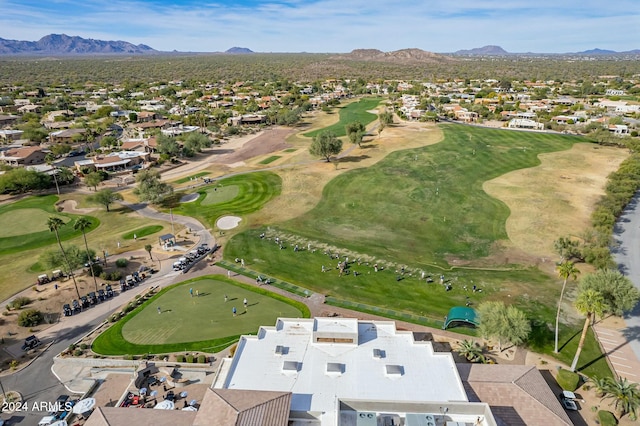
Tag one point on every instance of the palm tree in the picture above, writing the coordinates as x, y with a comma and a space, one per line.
589, 302
82, 224
54, 224
565, 270
471, 351
625, 395
601, 385
148, 249
49, 158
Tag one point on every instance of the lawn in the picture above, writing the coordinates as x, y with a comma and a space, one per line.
270, 159
196, 322
220, 194
355, 111
254, 190
142, 232
27, 219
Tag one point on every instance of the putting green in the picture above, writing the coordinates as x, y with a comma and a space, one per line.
216, 194
187, 318
24, 221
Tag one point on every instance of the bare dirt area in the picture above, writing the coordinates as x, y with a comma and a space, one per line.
266, 142
555, 198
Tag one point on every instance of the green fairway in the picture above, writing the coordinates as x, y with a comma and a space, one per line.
424, 206
27, 218
355, 111
196, 322
271, 159
222, 194
254, 190
142, 232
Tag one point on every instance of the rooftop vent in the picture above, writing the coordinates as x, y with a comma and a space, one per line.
281, 350
379, 353
335, 368
290, 366
394, 370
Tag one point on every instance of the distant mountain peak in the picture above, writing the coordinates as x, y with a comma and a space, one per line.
237, 50
411, 55
64, 44
489, 50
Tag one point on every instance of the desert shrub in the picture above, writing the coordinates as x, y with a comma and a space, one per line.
202, 359
111, 276
71, 347
19, 302
14, 364
78, 352
607, 418
128, 357
97, 270
83, 346
122, 262
190, 359
568, 380
30, 318
180, 358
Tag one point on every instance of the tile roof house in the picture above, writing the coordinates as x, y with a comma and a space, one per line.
517, 394
24, 156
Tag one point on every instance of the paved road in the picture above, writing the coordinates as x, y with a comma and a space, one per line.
627, 255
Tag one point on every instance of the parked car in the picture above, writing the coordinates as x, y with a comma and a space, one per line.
59, 405
84, 301
30, 343
567, 399
66, 310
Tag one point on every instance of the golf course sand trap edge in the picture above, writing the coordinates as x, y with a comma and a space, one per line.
189, 198
228, 222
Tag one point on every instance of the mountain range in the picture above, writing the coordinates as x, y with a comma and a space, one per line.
62, 44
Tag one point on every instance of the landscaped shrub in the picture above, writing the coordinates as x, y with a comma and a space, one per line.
30, 318
122, 262
111, 276
19, 302
190, 359
97, 270
71, 347
78, 352
83, 346
202, 359
180, 358
128, 357
568, 380
607, 418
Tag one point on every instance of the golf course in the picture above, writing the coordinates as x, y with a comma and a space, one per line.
196, 315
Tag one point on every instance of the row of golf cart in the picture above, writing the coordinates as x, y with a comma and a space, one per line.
85, 302
55, 275
184, 263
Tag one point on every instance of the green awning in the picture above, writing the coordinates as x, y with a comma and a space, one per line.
461, 314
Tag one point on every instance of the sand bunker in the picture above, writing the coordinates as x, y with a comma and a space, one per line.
228, 222
189, 198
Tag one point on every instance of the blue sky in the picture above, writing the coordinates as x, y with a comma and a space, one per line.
333, 25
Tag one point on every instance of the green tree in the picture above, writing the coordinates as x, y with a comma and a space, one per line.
325, 144
83, 224
589, 302
625, 395
355, 132
565, 270
54, 224
93, 179
105, 197
471, 351
148, 249
620, 295
167, 145
386, 118
503, 323
151, 188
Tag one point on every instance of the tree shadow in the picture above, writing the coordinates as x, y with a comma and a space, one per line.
353, 158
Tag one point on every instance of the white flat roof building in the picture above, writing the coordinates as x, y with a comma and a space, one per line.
339, 368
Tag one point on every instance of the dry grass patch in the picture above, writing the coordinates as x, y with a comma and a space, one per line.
555, 198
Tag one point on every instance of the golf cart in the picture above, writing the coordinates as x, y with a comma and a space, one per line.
43, 279
567, 399
30, 343
66, 310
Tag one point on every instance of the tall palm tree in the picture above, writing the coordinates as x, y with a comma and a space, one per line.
589, 302
54, 224
625, 395
82, 224
49, 158
565, 270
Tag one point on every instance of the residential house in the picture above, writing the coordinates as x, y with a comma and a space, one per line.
247, 119
10, 135
65, 136
115, 161
7, 120
524, 123
23, 156
619, 129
